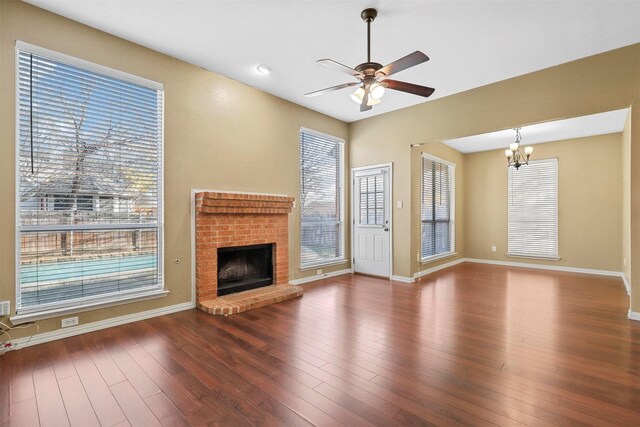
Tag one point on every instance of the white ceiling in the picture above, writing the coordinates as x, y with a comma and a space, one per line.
470, 43
578, 127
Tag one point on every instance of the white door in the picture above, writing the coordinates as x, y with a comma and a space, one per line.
372, 220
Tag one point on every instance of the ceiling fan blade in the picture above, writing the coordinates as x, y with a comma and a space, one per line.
408, 61
364, 106
330, 89
408, 87
340, 67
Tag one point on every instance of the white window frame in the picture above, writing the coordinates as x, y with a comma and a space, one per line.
57, 309
341, 187
452, 208
550, 257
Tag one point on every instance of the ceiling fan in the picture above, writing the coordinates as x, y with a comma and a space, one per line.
372, 77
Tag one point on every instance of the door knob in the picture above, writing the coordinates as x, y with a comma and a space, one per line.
386, 229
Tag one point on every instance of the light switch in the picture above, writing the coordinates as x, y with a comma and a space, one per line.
399, 204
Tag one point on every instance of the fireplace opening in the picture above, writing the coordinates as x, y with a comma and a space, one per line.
244, 267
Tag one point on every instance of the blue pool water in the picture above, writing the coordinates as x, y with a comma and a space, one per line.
74, 270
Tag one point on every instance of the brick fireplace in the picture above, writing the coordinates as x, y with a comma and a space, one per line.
230, 220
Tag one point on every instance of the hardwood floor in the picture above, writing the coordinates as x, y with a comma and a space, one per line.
473, 344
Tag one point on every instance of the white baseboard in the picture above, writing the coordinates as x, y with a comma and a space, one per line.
547, 267
438, 267
627, 285
402, 279
320, 276
96, 326
634, 315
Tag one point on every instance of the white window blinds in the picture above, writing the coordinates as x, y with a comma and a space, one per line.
321, 199
437, 207
533, 209
89, 185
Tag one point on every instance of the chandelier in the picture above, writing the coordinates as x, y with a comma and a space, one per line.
515, 157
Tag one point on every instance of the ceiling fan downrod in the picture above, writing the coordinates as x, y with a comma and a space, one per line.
368, 16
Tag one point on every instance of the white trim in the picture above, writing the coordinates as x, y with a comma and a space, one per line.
61, 309
547, 267
82, 307
634, 315
193, 244
402, 279
87, 65
542, 258
627, 285
321, 134
438, 257
341, 189
437, 159
389, 209
439, 267
452, 207
96, 326
320, 276
591, 271
325, 264
16, 183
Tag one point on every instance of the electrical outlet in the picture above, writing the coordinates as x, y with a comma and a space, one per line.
5, 308
319, 271
294, 204
493, 249
69, 321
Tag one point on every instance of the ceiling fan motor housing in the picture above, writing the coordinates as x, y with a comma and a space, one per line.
368, 15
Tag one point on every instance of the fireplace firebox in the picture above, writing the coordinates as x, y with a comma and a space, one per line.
241, 268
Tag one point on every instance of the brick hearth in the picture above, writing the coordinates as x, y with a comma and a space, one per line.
234, 219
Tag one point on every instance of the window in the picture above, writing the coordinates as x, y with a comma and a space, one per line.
372, 200
533, 210
321, 199
437, 208
87, 136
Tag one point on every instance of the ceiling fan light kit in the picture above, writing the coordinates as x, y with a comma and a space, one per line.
373, 77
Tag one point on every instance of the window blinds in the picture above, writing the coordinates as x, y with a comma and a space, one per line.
90, 183
437, 208
533, 209
371, 202
321, 199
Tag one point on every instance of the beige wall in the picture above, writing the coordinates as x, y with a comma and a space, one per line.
447, 153
589, 203
219, 134
613, 82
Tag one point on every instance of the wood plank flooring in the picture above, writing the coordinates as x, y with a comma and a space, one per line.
473, 345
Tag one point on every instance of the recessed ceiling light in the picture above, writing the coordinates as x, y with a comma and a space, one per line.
263, 69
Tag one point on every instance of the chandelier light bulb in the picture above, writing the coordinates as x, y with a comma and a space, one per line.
508, 153
513, 146
528, 150
376, 91
358, 95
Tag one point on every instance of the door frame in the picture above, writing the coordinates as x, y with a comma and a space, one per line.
389, 206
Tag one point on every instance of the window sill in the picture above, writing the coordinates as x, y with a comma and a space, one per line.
437, 257
47, 314
327, 264
542, 258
